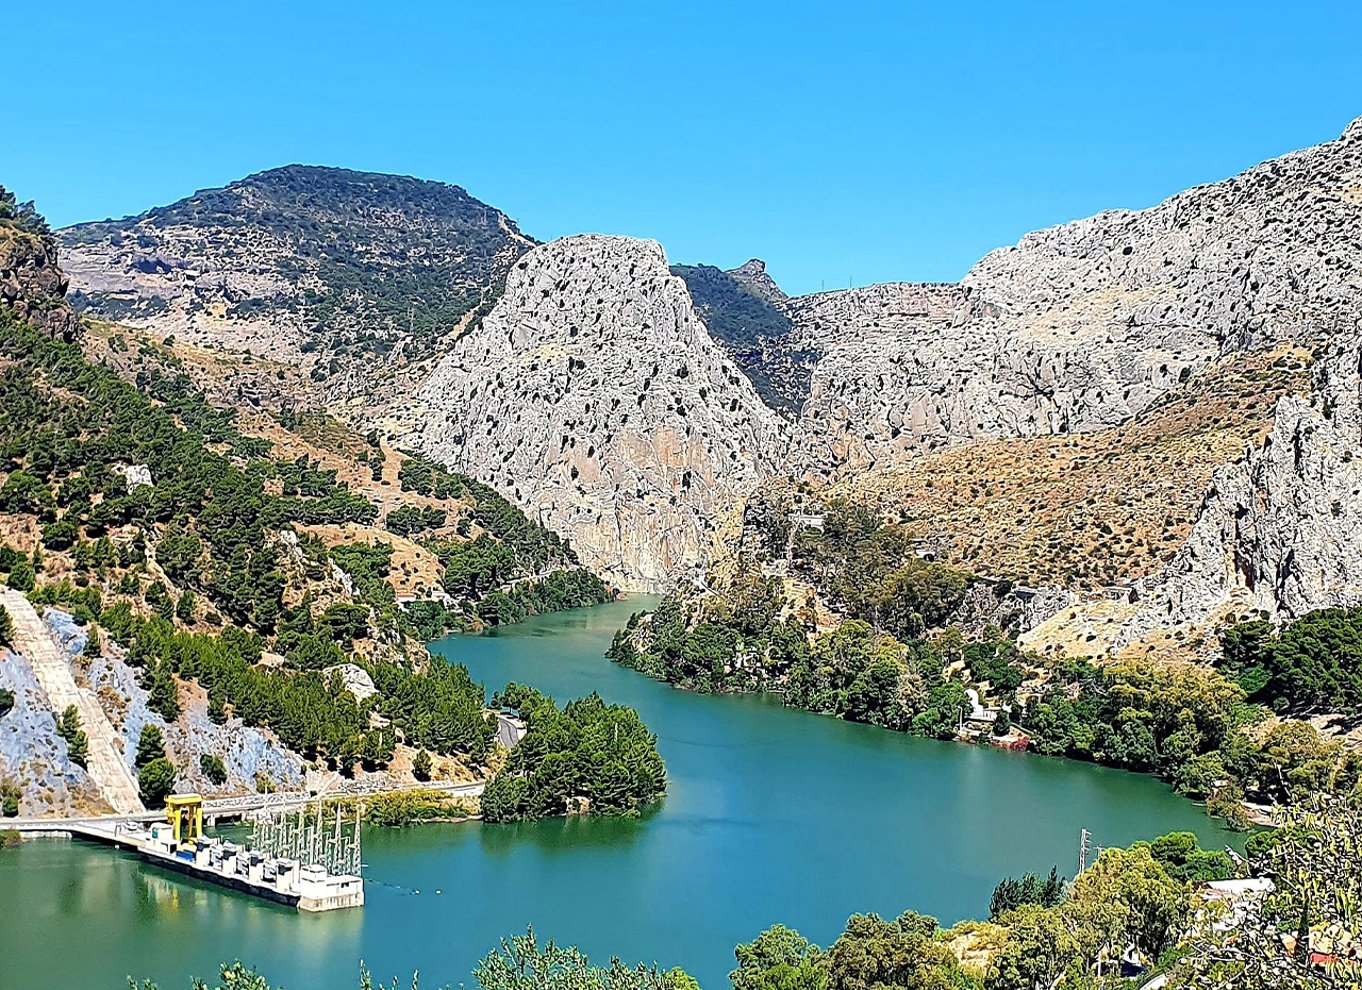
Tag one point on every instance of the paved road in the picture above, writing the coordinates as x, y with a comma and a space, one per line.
114, 780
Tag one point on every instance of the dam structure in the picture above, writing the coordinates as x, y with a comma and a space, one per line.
306, 857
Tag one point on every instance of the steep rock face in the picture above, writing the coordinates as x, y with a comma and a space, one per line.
1082, 325
31, 283
593, 396
1281, 528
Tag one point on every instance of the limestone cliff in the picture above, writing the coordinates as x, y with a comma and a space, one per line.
594, 397
1281, 527
31, 283
1082, 325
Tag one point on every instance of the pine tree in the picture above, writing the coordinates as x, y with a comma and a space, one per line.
77, 743
151, 745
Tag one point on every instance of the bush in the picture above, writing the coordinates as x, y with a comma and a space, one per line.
213, 769
420, 766
77, 744
156, 782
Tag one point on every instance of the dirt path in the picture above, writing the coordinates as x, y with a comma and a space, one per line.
105, 765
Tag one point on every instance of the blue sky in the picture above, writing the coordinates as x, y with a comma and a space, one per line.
841, 142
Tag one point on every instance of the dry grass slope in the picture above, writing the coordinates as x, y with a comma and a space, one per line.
1089, 510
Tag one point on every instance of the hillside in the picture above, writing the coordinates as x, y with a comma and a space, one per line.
343, 274
252, 589
745, 311
1083, 325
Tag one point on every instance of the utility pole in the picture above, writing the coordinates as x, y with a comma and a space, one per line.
1084, 847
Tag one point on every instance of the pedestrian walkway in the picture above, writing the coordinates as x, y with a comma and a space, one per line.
105, 765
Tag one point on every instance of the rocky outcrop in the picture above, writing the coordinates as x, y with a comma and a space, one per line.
745, 311
1082, 325
752, 276
251, 756
1281, 528
593, 396
33, 757
31, 283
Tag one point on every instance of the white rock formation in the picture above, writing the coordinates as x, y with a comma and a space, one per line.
1281, 528
355, 678
1082, 325
593, 396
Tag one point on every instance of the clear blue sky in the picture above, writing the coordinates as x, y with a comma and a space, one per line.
839, 141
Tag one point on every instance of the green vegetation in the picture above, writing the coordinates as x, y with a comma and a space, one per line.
438, 707
420, 766
1040, 934
6, 701
77, 743
213, 769
10, 794
151, 745
21, 216
156, 782
1184, 859
1189, 725
510, 568
738, 641
522, 964
1310, 666
1011, 894
587, 751
869, 569
6, 627
519, 963
414, 807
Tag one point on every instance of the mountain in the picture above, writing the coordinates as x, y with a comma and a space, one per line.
255, 589
1083, 325
1094, 327
342, 274
593, 395
746, 312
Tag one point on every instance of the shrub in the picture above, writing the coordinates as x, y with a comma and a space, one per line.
214, 771
156, 781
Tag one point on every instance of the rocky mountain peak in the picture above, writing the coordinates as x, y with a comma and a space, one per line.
32, 284
342, 273
1082, 325
593, 395
752, 275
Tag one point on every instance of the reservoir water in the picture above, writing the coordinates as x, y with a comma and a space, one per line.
771, 815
